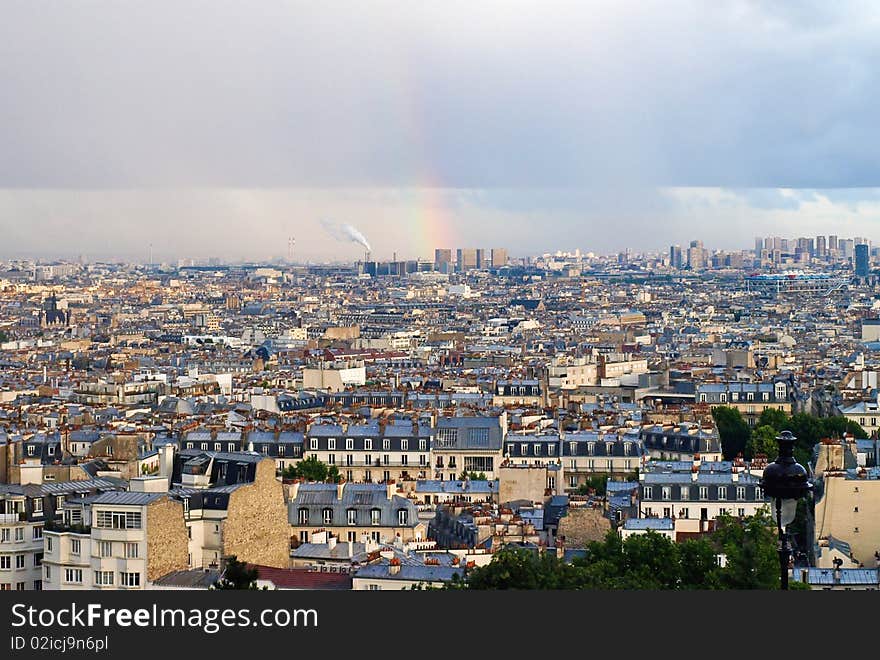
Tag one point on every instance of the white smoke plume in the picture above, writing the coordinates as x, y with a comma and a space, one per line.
345, 232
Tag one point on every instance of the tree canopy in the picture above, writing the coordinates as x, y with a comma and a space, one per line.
733, 431
646, 561
311, 469
237, 575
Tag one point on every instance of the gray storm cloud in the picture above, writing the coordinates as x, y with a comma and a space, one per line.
201, 118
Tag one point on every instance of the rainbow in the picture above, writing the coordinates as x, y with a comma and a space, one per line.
433, 224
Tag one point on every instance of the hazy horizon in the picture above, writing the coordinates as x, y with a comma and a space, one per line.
221, 129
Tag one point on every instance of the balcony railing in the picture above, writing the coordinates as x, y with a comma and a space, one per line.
9, 518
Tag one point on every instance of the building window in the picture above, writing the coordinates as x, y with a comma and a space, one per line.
684, 493
313, 443
759, 495
104, 578
722, 492
375, 517
704, 493
349, 444
131, 549
75, 546
304, 537
404, 445
5, 562
19, 533
130, 579
331, 444
666, 492
118, 519
649, 493
105, 548
49, 543
351, 516
38, 532
368, 444
423, 445
386, 444
38, 505
740, 493
375, 587
402, 517
73, 575
327, 516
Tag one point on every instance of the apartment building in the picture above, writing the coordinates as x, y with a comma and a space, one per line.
751, 399
373, 452
681, 442
117, 540
353, 512
588, 453
469, 444
232, 504
683, 490
27, 514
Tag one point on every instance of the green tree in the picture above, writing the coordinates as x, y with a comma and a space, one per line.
750, 546
311, 469
596, 482
732, 430
835, 427
809, 431
519, 568
237, 575
776, 419
764, 441
698, 567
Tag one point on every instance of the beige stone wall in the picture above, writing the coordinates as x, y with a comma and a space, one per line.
256, 528
582, 525
847, 505
522, 483
166, 538
830, 458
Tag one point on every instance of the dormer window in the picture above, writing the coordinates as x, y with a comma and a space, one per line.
349, 443
331, 443
368, 444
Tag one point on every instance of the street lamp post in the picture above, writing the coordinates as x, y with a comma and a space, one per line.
785, 481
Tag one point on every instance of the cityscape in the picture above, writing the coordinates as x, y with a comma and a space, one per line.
432, 296
413, 424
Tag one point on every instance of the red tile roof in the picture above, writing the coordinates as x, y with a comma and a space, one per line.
301, 578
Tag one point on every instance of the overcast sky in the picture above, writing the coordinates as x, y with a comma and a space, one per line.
221, 128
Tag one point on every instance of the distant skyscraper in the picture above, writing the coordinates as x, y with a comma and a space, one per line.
863, 266
466, 259
821, 247
675, 256
499, 257
481, 258
696, 255
759, 245
833, 246
443, 260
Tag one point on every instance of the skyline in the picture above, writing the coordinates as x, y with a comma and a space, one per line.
252, 225
433, 126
